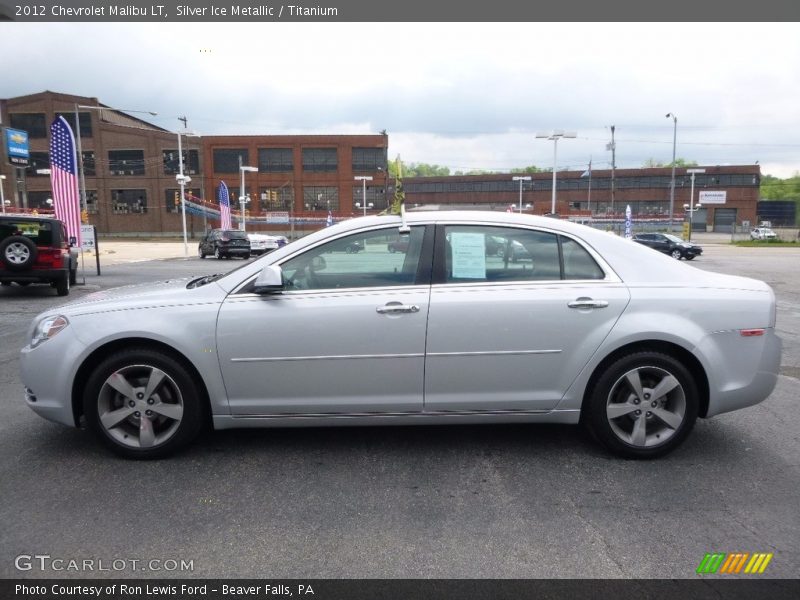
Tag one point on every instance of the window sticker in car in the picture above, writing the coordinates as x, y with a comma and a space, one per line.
469, 255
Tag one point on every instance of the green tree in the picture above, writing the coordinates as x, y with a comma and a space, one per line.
652, 163
528, 170
418, 170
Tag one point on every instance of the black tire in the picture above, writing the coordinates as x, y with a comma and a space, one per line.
62, 285
18, 253
217, 253
73, 276
200, 252
614, 394
176, 390
676, 254
690, 256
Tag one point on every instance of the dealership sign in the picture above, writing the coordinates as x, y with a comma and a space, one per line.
713, 197
17, 147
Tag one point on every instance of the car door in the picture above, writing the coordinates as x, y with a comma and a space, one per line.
506, 335
346, 335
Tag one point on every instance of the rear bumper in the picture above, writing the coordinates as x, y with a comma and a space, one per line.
34, 275
747, 368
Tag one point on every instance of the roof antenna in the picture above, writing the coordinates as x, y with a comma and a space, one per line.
404, 228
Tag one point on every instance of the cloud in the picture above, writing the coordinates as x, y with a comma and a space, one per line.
462, 95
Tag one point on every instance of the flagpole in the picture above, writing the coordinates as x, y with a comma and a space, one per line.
82, 197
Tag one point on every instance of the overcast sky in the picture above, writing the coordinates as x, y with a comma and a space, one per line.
468, 96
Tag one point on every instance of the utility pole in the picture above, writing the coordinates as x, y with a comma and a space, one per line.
613, 147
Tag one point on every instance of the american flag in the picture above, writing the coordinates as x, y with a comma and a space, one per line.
64, 177
224, 206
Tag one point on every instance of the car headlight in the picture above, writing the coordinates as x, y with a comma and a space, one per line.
686, 245
47, 328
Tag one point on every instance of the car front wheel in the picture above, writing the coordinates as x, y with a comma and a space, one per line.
143, 404
676, 254
217, 253
643, 406
200, 252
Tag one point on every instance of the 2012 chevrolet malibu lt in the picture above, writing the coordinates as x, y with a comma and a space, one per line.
461, 327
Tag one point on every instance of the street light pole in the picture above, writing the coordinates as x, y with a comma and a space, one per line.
692, 172
521, 179
78, 139
672, 181
555, 136
242, 197
363, 179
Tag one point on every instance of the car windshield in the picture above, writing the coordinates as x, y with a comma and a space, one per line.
235, 235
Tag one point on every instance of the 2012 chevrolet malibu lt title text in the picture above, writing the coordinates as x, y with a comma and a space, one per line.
461, 327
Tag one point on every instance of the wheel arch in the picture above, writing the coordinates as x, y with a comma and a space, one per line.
680, 353
102, 352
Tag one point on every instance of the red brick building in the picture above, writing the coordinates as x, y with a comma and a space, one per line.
130, 167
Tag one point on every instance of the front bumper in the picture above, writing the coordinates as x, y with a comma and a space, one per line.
47, 372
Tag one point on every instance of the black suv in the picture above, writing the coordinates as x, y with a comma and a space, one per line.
225, 243
36, 250
669, 244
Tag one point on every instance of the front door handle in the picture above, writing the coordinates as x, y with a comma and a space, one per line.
395, 307
585, 303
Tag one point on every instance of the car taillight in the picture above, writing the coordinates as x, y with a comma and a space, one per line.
51, 259
751, 332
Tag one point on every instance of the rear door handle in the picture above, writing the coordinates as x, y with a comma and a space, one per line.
587, 303
395, 307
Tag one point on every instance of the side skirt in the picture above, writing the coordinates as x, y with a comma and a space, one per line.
566, 416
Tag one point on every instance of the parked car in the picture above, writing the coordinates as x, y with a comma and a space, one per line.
593, 330
353, 247
669, 244
224, 243
36, 250
399, 244
762, 233
261, 243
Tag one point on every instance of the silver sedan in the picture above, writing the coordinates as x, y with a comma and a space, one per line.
587, 328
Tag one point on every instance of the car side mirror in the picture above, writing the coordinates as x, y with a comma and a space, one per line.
269, 281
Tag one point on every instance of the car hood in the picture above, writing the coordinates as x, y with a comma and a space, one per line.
169, 292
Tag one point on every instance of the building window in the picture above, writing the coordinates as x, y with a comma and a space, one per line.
38, 161
226, 160
125, 202
84, 118
376, 195
275, 160
91, 202
89, 169
368, 159
172, 198
321, 198
276, 198
191, 162
38, 201
320, 159
126, 162
34, 123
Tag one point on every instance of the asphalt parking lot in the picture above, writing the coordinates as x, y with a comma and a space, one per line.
412, 502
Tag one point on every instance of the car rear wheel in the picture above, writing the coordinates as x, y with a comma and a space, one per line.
200, 252
643, 406
676, 254
17, 253
143, 404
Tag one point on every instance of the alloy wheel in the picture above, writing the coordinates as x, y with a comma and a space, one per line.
646, 407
